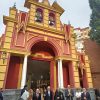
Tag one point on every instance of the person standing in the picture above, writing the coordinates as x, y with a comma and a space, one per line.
37, 95
30, 94
24, 93
44, 93
85, 95
1, 96
69, 93
58, 95
97, 94
49, 94
78, 94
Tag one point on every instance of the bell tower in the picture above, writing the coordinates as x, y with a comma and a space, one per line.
44, 15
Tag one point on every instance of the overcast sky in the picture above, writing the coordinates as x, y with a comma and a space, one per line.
76, 11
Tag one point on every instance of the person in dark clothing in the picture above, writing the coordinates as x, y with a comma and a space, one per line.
44, 93
58, 95
49, 94
37, 95
24, 93
97, 94
1, 96
23, 90
69, 93
85, 95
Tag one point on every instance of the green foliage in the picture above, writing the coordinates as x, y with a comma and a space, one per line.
95, 20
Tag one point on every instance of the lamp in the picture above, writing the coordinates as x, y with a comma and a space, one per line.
41, 77
3, 56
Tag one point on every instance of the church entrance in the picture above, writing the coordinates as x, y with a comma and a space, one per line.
38, 74
41, 67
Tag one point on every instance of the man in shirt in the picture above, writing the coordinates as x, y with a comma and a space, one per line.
37, 95
85, 95
69, 93
49, 94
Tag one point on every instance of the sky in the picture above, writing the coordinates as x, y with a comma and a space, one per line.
77, 12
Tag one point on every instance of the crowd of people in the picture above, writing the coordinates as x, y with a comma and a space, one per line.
47, 94
31, 95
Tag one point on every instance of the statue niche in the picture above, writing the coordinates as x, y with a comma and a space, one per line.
20, 37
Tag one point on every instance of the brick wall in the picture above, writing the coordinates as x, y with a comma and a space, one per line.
93, 51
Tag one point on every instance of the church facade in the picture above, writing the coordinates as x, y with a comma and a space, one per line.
38, 49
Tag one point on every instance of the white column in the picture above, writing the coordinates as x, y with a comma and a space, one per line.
60, 74
24, 71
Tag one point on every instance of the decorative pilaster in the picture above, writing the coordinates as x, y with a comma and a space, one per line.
46, 19
32, 14
9, 22
58, 24
24, 71
4, 62
88, 72
76, 75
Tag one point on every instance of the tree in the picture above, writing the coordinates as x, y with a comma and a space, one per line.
95, 20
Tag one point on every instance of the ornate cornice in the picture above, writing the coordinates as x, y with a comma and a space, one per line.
46, 29
7, 18
29, 2
15, 51
57, 7
67, 57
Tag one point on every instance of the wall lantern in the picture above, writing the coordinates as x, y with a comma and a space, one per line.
3, 56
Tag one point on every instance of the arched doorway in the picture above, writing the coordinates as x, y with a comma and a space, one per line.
40, 66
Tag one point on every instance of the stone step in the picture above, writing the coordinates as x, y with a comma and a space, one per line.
11, 94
